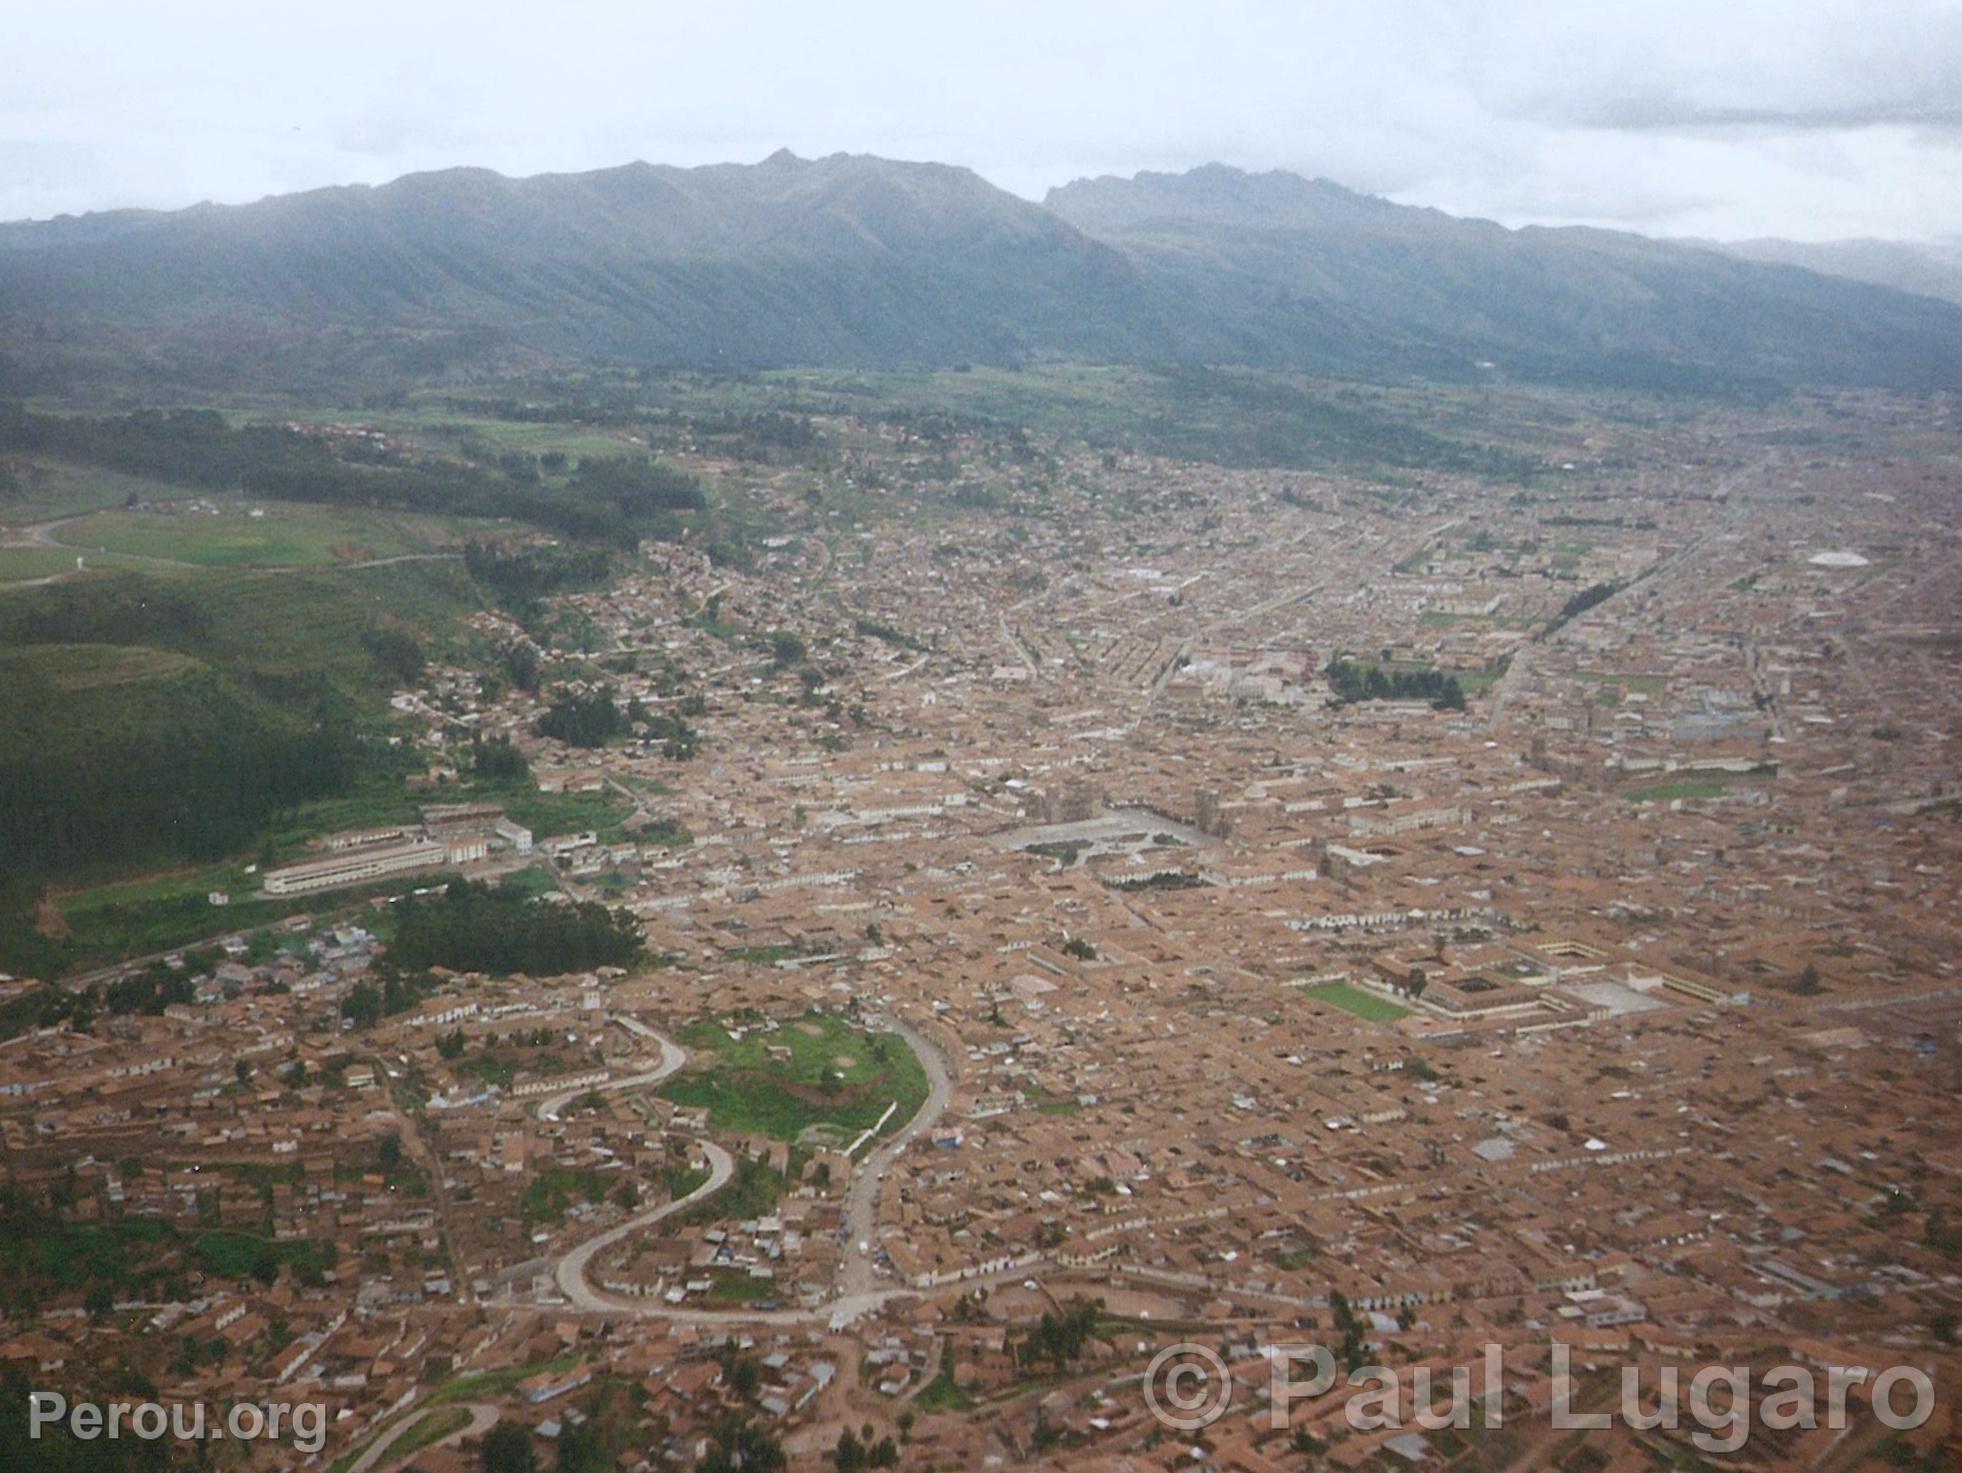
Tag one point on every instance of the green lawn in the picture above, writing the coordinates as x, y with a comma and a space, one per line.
746, 1089
50, 489
247, 533
491, 1385
740, 1288
1350, 999
1670, 792
21, 564
1648, 685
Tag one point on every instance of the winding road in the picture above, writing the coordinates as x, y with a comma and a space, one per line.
673, 1056
482, 1419
570, 1270
858, 1287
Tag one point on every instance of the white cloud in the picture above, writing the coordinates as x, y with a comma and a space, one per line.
1795, 117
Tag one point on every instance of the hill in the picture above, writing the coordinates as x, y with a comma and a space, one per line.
855, 261
845, 261
1933, 268
1284, 271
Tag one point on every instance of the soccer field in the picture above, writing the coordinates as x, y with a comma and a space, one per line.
1365, 1005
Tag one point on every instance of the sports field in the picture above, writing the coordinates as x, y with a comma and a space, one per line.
1365, 1005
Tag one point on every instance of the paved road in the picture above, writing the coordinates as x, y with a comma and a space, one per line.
482, 1419
858, 1288
862, 1195
570, 1270
672, 1058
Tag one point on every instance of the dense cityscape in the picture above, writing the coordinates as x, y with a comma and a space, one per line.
855, 985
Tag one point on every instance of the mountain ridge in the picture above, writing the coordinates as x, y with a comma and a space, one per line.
853, 260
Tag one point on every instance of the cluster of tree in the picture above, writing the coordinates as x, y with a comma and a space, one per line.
763, 435
518, 662
194, 768
396, 651
738, 1445
507, 1448
642, 489
1355, 1351
786, 648
1353, 682
499, 761
474, 927
1580, 603
679, 741
1057, 1339
149, 991
878, 629
636, 497
48, 1006
1164, 879
584, 716
522, 575
1942, 1235
368, 1004
855, 1452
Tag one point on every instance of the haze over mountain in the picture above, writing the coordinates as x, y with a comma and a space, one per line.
1931, 268
855, 260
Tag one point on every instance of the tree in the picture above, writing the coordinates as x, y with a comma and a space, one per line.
390, 1151
582, 1449
1355, 1352
738, 1446
786, 649
849, 1455
363, 1006
507, 1449
585, 717
499, 761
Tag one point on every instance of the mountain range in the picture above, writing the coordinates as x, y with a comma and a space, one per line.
852, 260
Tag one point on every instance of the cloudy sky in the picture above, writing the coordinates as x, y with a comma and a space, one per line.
1811, 119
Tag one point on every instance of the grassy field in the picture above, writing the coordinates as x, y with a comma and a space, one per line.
80, 667
125, 1255
1647, 685
440, 428
747, 1085
49, 489
22, 564
490, 1385
242, 533
1670, 792
740, 1288
1353, 1000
